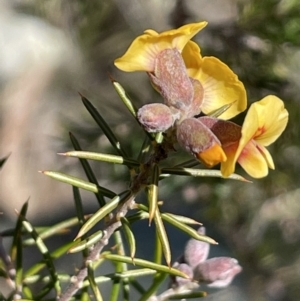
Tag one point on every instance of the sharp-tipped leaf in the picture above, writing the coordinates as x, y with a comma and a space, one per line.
130, 237
17, 249
101, 157
102, 212
104, 126
3, 160
146, 264
74, 181
57, 229
187, 229
218, 112
88, 171
184, 219
153, 192
45, 253
85, 243
162, 234
126, 100
199, 173
91, 278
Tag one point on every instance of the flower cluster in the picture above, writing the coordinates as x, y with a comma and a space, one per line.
190, 84
214, 272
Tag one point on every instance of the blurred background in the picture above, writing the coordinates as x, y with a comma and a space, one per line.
51, 50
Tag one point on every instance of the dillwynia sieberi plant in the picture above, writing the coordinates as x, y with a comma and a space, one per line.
191, 84
200, 94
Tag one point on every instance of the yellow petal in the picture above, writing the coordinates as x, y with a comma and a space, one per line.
221, 86
141, 54
266, 155
272, 119
249, 128
252, 161
228, 167
192, 58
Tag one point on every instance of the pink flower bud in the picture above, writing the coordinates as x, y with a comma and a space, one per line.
217, 272
197, 99
171, 80
157, 117
199, 140
196, 251
179, 281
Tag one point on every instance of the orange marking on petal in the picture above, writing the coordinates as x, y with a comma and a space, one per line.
212, 156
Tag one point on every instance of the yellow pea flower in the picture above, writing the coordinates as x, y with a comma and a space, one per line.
221, 85
264, 123
143, 51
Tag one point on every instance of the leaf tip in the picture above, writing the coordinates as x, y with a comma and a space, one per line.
62, 154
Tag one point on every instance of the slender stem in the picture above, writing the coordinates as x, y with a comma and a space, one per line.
138, 183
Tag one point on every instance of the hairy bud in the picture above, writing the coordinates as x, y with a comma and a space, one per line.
217, 272
171, 80
157, 117
199, 140
196, 251
185, 268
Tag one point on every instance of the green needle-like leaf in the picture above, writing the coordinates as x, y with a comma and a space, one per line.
120, 268
101, 157
57, 229
130, 237
78, 205
199, 173
153, 192
46, 255
104, 126
3, 160
187, 229
158, 250
146, 264
102, 212
162, 234
138, 216
93, 283
184, 219
85, 243
128, 103
88, 171
17, 249
74, 181
218, 112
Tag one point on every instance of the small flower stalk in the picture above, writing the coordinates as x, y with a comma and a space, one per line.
191, 84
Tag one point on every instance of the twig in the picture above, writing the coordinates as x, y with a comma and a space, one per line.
159, 153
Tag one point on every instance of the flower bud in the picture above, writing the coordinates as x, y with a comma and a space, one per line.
199, 140
179, 281
157, 117
171, 80
196, 251
217, 272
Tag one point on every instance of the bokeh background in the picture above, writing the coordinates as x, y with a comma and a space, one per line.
51, 50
